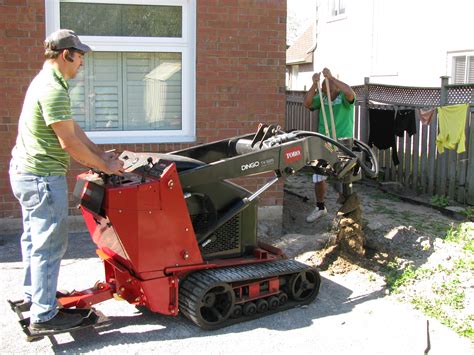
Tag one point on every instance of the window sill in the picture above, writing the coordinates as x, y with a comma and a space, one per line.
337, 18
138, 137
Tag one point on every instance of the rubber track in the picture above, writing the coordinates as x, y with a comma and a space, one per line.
194, 286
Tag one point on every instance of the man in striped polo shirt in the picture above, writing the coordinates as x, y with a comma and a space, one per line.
47, 136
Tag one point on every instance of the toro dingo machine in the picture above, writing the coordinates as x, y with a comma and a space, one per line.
176, 236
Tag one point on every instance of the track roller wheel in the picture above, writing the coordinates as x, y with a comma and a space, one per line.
282, 298
216, 305
250, 308
273, 302
304, 286
262, 306
236, 311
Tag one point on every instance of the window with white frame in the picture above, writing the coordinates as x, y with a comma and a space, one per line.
462, 71
138, 83
337, 8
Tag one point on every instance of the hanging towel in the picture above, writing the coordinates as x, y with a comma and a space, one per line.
426, 115
382, 131
452, 126
405, 121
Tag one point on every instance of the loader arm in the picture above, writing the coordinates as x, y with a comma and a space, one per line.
204, 170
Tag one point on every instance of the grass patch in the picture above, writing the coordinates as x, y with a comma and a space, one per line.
395, 277
434, 308
446, 299
462, 234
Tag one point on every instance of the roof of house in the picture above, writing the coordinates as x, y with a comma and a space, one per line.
301, 51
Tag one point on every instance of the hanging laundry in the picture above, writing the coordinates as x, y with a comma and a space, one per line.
382, 131
405, 121
452, 126
426, 115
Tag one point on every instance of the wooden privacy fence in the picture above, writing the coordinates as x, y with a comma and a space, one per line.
422, 169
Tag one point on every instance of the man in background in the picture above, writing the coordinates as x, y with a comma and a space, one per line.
342, 100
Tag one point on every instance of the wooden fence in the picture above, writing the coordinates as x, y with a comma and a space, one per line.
422, 169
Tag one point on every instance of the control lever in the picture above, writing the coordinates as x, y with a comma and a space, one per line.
147, 168
259, 135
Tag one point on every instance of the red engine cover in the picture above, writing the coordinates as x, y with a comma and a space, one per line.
148, 227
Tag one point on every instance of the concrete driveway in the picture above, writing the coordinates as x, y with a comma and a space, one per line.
345, 319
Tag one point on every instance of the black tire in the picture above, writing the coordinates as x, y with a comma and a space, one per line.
262, 306
273, 302
237, 311
249, 309
282, 298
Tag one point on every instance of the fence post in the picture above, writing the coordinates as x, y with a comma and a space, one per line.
444, 90
442, 180
364, 113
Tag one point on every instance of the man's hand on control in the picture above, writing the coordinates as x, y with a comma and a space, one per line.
109, 155
114, 167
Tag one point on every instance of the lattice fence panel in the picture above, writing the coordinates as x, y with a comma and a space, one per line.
408, 96
460, 94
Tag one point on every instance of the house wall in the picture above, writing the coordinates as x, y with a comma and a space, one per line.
240, 78
303, 81
399, 42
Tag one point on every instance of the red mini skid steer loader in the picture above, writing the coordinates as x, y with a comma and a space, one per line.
176, 236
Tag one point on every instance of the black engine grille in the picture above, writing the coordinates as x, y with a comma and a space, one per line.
226, 238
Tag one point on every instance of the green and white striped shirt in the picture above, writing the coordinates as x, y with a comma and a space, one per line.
37, 148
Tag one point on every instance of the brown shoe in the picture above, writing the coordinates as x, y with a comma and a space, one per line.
60, 321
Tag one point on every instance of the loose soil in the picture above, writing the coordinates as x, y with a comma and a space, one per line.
398, 235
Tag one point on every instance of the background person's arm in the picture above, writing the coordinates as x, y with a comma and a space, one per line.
341, 86
313, 90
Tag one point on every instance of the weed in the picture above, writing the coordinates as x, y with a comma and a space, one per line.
462, 234
395, 277
434, 308
468, 212
451, 294
439, 201
448, 297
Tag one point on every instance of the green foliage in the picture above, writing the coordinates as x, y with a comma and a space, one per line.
447, 295
462, 234
434, 308
395, 277
439, 201
468, 212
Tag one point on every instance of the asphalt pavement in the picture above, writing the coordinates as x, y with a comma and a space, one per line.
344, 319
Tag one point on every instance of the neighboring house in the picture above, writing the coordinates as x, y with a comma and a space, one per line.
300, 59
164, 74
402, 42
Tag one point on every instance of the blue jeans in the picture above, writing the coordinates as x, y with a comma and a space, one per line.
44, 206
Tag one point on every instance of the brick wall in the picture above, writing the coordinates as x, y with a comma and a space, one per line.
240, 77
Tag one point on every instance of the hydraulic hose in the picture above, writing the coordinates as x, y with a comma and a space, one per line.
371, 172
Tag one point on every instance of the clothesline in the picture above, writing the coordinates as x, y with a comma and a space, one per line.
388, 122
390, 106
